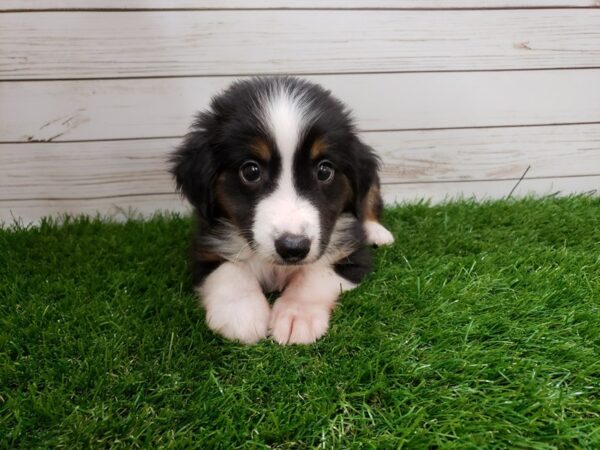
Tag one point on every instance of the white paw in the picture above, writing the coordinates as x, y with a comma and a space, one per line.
377, 234
245, 319
294, 322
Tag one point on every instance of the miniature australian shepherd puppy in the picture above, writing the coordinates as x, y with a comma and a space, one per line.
287, 200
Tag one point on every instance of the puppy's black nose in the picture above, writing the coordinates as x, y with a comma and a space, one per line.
292, 247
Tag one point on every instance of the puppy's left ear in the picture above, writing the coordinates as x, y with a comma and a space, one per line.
195, 171
366, 165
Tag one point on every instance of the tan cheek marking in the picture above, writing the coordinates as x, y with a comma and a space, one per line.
222, 198
347, 194
207, 256
318, 148
262, 149
370, 211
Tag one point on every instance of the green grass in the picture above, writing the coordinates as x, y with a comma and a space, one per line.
479, 328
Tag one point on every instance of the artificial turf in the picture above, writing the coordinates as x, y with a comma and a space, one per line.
479, 328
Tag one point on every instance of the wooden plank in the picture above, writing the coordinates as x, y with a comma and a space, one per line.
558, 186
440, 192
488, 154
486, 190
61, 45
8, 5
120, 109
115, 177
125, 168
30, 211
85, 170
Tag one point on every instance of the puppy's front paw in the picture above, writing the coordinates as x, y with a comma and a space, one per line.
246, 319
294, 322
377, 234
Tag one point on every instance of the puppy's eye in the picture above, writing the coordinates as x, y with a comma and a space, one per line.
325, 171
250, 172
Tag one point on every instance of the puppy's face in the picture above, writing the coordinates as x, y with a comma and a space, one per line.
282, 163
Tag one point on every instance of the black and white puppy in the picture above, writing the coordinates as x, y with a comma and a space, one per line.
287, 199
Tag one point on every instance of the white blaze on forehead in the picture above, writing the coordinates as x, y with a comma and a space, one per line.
286, 114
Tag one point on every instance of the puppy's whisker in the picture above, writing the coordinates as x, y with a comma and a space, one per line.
237, 256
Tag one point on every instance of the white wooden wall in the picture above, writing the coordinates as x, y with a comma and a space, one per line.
458, 96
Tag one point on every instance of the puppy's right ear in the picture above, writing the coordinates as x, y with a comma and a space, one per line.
195, 172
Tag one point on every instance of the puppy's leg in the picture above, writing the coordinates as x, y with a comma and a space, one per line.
236, 307
376, 233
301, 314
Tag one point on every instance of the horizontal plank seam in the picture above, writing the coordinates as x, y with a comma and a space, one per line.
291, 9
145, 194
479, 127
298, 74
102, 197
382, 130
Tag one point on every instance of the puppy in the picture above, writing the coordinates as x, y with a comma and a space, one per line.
287, 199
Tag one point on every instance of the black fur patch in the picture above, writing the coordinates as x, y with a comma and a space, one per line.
356, 266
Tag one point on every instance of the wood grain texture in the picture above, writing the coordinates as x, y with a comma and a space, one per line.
85, 170
120, 109
50, 45
48, 178
8, 5
135, 79
139, 167
487, 154
487, 190
30, 211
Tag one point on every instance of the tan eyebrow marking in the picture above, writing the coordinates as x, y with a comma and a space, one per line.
318, 148
262, 149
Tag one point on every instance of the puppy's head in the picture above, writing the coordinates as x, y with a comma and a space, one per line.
278, 160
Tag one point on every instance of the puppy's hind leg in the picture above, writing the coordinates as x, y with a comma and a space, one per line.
376, 233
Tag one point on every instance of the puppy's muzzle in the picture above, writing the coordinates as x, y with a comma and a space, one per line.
292, 248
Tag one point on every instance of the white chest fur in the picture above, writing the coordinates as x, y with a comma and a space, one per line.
271, 277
